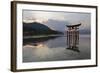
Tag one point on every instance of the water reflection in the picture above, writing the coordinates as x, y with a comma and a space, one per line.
37, 40
54, 49
44, 53
40, 50
76, 49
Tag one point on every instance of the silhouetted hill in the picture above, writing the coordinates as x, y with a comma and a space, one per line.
36, 28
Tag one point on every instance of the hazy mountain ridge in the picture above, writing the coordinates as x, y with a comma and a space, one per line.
61, 26
57, 25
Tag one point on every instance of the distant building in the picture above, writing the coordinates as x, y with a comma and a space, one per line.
73, 36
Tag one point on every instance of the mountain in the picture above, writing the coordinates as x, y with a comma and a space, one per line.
36, 28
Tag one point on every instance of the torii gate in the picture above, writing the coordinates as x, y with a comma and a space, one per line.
73, 36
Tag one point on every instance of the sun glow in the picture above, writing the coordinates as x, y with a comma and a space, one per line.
36, 20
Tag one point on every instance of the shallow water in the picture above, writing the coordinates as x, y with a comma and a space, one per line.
55, 49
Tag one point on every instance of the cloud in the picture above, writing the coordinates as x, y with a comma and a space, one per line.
71, 17
42, 15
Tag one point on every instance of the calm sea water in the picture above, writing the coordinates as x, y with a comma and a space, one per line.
55, 49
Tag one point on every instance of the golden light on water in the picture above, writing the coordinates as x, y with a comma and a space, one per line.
36, 45
41, 50
39, 46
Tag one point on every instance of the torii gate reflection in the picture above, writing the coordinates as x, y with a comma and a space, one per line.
73, 36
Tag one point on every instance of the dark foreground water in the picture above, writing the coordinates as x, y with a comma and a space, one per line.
54, 49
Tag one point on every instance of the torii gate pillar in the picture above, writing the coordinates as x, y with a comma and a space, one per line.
73, 36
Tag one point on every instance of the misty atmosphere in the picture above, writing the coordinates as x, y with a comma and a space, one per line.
45, 36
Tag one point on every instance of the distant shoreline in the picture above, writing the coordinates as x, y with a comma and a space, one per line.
41, 36
53, 35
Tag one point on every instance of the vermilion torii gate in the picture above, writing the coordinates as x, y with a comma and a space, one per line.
73, 36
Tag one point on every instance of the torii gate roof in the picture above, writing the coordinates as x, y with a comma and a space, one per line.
77, 25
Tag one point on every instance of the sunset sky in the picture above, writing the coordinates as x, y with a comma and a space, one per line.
57, 20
